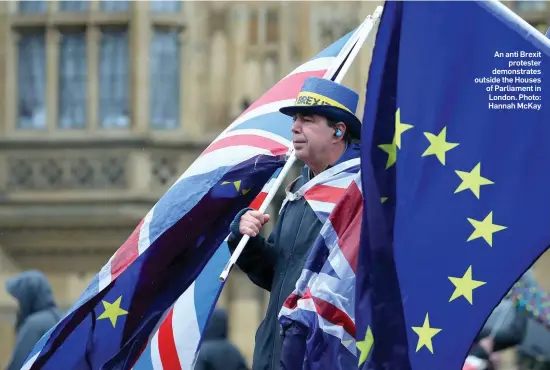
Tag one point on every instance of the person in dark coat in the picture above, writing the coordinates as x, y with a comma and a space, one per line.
323, 135
216, 352
36, 315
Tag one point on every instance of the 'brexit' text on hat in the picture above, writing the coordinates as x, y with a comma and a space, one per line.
310, 99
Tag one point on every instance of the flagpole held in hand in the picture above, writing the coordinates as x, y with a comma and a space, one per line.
263, 208
344, 61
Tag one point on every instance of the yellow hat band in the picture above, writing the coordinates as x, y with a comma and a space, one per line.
312, 99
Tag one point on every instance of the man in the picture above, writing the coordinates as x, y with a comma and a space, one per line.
324, 135
217, 353
36, 315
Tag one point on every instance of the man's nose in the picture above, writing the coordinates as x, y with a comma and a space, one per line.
296, 126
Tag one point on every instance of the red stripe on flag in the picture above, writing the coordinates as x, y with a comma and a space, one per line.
331, 313
167, 345
275, 147
126, 254
257, 202
292, 301
325, 193
287, 88
346, 221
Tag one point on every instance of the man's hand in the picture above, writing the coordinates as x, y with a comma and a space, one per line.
252, 222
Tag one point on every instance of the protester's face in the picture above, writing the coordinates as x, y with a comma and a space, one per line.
311, 137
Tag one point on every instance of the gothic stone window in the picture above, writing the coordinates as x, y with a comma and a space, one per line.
71, 65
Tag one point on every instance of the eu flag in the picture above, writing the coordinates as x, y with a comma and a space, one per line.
455, 174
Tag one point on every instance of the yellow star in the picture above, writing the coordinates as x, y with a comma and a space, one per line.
236, 183
391, 149
438, 145
245, 191
400, 128
365, 346
383, 199
465, 286
112, 311
425, 335
472, 180
485, 229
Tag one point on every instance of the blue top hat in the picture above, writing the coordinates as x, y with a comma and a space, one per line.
329, 99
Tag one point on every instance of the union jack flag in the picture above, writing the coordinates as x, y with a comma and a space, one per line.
176, 342
323, 303
111, 323
325, 190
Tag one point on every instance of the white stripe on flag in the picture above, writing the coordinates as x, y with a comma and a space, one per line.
335, 330
318, 206
262, 133
343, 182
105, 274
314, 65
260, 111
230, 156
155, 353
29, 363
143, 241
185, 327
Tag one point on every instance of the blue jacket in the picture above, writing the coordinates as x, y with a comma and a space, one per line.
36, 315
275, 264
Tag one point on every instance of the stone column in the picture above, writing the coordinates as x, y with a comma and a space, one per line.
4, 91
52, 77
193, 71
7, 264
92, 44
140, 40
218, 98
238, 27
286, 36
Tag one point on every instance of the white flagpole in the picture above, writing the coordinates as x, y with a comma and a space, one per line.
350, 50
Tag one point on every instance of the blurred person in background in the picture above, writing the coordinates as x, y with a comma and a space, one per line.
37, 313
216, 352
534, 350
505, 328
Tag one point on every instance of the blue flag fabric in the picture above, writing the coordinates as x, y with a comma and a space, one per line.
455, 136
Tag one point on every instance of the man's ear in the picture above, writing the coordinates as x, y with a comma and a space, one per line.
340, 126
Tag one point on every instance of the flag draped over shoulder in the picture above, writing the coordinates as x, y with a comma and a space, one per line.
323, 303
111, 323
462, 157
